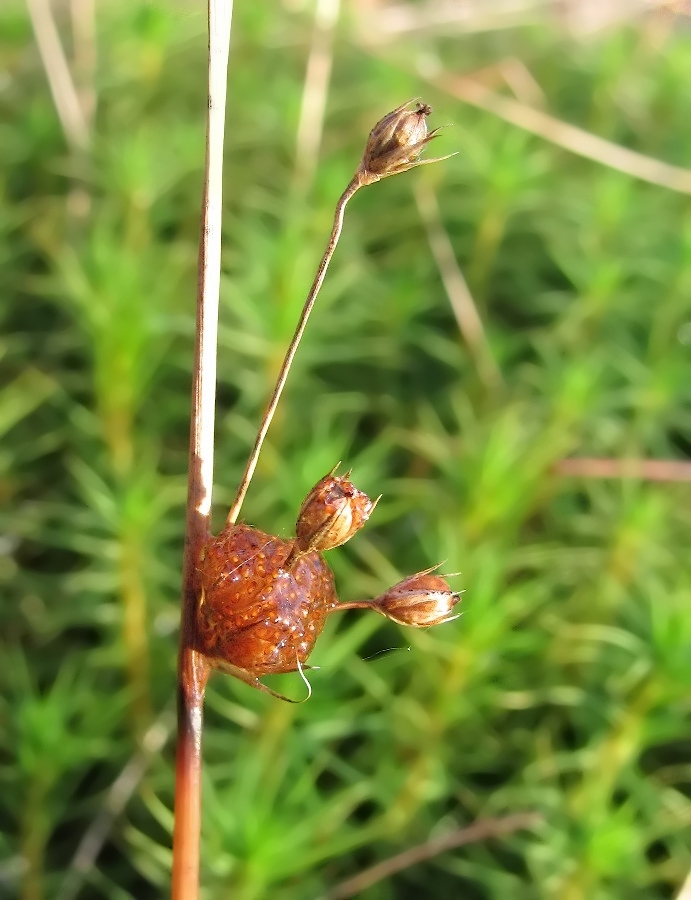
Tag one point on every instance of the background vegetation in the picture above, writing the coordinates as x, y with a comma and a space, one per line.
565, 687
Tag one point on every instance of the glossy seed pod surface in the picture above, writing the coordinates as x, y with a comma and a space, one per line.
262, 606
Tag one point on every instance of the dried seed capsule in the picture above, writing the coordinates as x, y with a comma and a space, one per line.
396, 141
421, 600
259, 613
331, 513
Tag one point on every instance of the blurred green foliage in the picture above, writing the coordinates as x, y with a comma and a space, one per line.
565, 687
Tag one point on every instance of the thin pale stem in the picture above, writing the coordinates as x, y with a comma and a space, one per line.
355, 604
193, 669
356, 183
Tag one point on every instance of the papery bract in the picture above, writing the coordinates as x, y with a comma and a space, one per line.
331, 513
396, 142
421, 600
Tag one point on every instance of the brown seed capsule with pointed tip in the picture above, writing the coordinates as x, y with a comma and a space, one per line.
331, 513
262, 607
396, 141
421, 600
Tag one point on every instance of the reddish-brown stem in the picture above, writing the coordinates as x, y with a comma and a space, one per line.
187, 828
234, 511
193, 669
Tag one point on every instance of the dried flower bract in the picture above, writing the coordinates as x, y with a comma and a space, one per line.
421, 600
331, 513
395, 142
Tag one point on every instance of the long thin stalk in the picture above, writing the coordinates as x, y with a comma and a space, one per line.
357, 182
192, 668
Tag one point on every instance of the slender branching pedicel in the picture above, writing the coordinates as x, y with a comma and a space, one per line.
394, 145
265, 599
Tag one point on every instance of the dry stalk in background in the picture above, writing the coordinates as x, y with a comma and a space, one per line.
83, 15
685, 892
457, 290
565, 135
482, 830
114, 802
643, 469
65, 96
315, 91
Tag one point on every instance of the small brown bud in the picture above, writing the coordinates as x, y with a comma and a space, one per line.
331, 513
420, 600
395, 142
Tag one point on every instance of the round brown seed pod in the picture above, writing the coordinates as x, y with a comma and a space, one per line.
262, 607
420, 600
